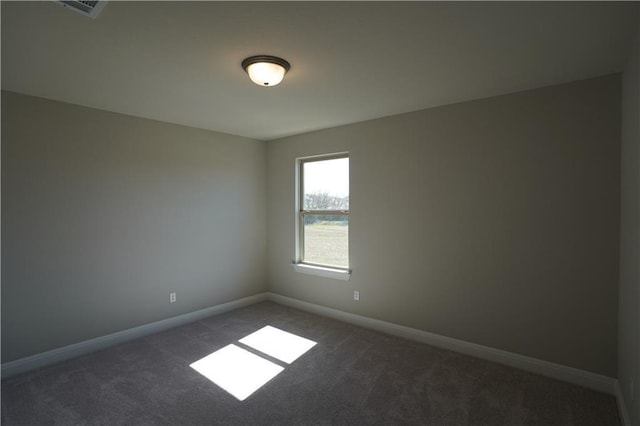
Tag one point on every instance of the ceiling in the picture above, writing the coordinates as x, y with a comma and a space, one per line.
179, 62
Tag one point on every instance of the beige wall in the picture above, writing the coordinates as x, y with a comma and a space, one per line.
629, 337
104, 214
494, 221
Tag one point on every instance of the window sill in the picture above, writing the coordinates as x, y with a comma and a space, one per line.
323, 271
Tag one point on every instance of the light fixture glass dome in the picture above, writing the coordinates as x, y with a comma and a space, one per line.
265, 70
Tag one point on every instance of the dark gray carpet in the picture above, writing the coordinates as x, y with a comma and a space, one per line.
352, 376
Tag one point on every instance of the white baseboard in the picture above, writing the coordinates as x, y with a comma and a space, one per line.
67, 352
622, 409
557, 371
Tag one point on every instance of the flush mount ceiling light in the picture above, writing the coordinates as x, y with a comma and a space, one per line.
265, 70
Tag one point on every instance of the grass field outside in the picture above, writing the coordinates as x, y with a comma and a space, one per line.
326, 243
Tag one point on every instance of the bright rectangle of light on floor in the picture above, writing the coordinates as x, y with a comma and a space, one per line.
236, 370
284, 346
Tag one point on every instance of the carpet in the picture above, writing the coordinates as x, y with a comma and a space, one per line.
350, 376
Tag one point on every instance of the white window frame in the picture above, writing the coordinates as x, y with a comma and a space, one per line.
327, 271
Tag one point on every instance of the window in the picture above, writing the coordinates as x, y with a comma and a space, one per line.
323, 214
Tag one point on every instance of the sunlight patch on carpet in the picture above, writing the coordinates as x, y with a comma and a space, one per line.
237, 370
284, 346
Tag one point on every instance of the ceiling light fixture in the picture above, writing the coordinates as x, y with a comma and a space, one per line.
265, 70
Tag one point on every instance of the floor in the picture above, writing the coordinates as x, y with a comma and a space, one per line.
351, 376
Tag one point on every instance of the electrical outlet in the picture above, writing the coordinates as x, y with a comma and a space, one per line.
172, 297
356, 295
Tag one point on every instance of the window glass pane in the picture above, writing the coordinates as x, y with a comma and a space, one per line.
326, 184
326, 240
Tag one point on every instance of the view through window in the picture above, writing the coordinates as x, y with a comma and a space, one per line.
323, 228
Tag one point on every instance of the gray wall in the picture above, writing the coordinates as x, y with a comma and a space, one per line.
629, 337
494, 221
105, 214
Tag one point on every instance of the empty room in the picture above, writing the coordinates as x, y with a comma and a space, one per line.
272, 213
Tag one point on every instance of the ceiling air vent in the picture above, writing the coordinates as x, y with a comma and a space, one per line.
88, 8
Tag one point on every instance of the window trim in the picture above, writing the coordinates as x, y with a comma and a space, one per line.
328, 271
323, 271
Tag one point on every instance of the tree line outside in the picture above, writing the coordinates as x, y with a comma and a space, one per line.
325, 201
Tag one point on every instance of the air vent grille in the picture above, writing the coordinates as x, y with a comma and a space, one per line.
86, 7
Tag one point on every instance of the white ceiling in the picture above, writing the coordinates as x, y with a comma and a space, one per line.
351, 61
